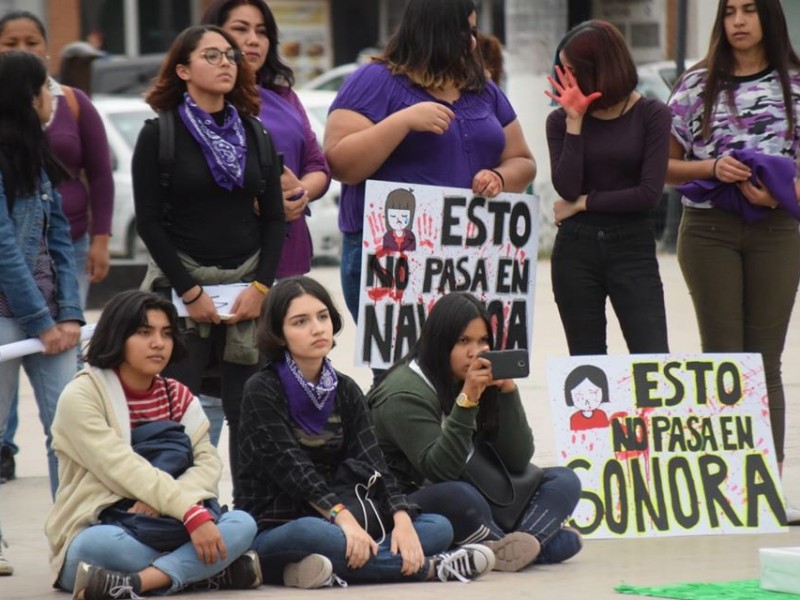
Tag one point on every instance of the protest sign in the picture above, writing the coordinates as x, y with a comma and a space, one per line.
421, 242
666, 444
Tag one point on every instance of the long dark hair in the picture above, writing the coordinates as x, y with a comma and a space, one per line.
168, 88
121, 317
432, 46
441, 331
23, 148
719, 61
270, 338
274, 73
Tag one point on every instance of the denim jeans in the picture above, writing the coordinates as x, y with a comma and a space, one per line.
471, 515
297, 539
592, 264
48, 374
81, 248
112, 547
350, 271
12, 424
212, 406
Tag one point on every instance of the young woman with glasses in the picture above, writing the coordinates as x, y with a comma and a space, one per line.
213, 225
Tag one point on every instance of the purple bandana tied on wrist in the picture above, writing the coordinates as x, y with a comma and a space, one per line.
224, 146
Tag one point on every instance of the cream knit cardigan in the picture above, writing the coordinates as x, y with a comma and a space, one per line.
97, 465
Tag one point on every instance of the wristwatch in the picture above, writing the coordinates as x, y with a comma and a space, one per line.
464, 402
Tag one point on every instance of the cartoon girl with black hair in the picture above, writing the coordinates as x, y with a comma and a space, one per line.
399, 215
586, 387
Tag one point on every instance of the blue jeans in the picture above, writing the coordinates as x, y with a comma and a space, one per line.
591, 265
12, 424
297, 539
471, 516
81, 249
48, 374
350, 271
212, 406
112, 547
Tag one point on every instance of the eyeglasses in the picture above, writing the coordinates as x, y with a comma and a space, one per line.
214, 55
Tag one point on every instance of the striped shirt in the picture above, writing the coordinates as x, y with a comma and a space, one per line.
166, 399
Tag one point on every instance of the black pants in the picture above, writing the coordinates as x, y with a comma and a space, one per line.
590, 264
202, 352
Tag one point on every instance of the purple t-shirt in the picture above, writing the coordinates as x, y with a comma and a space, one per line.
83, 146
474, 141
286, 120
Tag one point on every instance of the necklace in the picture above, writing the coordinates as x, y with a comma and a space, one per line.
624, 106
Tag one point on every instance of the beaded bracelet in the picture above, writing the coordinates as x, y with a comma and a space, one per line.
500, 175
335, 512
260, 287
195, 299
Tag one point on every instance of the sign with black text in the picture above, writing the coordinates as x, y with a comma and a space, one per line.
421, 242
666, 444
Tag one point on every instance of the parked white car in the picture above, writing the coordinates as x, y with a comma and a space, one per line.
123, 118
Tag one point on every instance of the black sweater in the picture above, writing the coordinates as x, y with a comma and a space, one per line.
210, 224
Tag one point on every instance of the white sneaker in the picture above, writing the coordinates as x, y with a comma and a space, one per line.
314, 571
792, 513
5, 567
468, 562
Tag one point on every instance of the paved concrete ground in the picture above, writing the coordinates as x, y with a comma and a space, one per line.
591, 575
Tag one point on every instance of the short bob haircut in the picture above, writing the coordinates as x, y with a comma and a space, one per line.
122, 316
400, 199
593, 374
167, 90
720, 61
274, 73
601, 61
441, 331
432, 46
270, 337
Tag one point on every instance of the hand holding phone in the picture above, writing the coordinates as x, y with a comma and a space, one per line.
508, 364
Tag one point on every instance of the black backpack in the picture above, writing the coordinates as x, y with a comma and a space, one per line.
166, 153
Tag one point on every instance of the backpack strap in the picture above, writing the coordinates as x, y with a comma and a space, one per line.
166, 148
264, 149
72, 102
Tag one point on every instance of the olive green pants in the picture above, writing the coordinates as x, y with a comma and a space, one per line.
743, 281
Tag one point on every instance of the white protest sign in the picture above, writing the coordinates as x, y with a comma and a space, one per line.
421, 242
667, 445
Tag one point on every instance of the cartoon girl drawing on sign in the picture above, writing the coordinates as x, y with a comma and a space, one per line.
399, 213
585, 388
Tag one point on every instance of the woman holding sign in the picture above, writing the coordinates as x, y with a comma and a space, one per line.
433, 407
743, 275
215, 216
424, 113
608, 154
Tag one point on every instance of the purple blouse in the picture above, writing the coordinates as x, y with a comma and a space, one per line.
83, 146
474, 141
287, 122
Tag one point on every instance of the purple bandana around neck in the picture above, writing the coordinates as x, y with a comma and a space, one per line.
224, 146
310, 404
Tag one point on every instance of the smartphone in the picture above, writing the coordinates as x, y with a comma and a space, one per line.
508, 364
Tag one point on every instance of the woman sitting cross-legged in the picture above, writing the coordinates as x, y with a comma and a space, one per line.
312, 473
430, 409
133, 446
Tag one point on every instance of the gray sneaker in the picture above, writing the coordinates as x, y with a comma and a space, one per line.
514, 552
244, 573
464, 564
314, 571
5, 567
97, 583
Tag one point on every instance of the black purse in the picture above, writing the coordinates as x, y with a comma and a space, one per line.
362, 490
508, 493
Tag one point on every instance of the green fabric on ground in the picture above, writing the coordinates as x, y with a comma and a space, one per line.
747, 589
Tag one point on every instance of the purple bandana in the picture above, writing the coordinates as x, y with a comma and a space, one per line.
310, 404
224, 146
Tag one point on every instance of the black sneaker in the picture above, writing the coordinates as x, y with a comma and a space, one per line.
96, 583
468, 562
242, 574
8, 468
